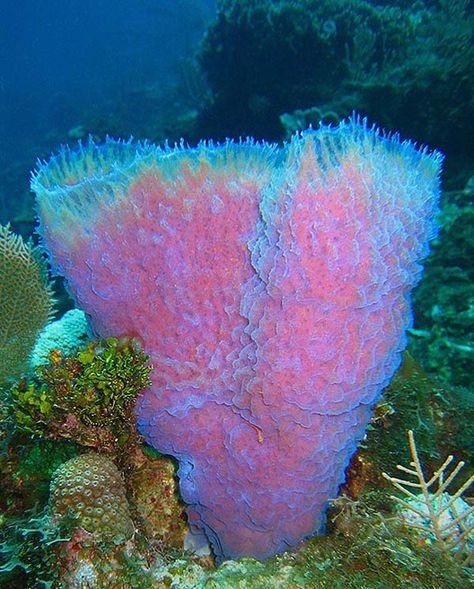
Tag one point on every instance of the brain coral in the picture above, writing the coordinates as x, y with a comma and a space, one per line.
270, 288
91, 489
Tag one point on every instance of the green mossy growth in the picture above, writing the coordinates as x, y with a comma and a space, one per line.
36, 464
95, 387
441, 420
444, 299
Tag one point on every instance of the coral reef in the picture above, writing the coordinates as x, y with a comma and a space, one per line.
35, 552
367, 546
91, 490
219, 394
238, 266
48, 460
380, 58
26, 303
444, 301
78, 402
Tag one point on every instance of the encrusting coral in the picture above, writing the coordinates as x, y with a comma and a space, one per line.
155, 502
26, 302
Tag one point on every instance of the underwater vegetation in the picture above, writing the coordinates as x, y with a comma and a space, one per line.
81, 401
26, 302
444, 301
67, 436
88, 396
380, 58
273, 339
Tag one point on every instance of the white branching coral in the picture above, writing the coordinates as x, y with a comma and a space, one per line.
446, 518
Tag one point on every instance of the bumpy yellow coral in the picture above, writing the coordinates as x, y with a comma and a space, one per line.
91, 489
154, 495
25, 302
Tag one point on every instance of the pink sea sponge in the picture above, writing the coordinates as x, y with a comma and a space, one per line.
270, 288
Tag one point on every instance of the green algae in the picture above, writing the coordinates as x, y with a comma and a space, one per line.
36, 464
96, 386
440, 418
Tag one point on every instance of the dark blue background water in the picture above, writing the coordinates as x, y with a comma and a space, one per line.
63, 61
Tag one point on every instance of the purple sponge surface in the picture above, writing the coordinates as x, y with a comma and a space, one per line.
270, 288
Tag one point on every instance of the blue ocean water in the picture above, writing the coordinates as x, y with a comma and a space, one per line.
64, 65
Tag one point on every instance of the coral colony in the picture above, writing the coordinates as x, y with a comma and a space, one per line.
270, 288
